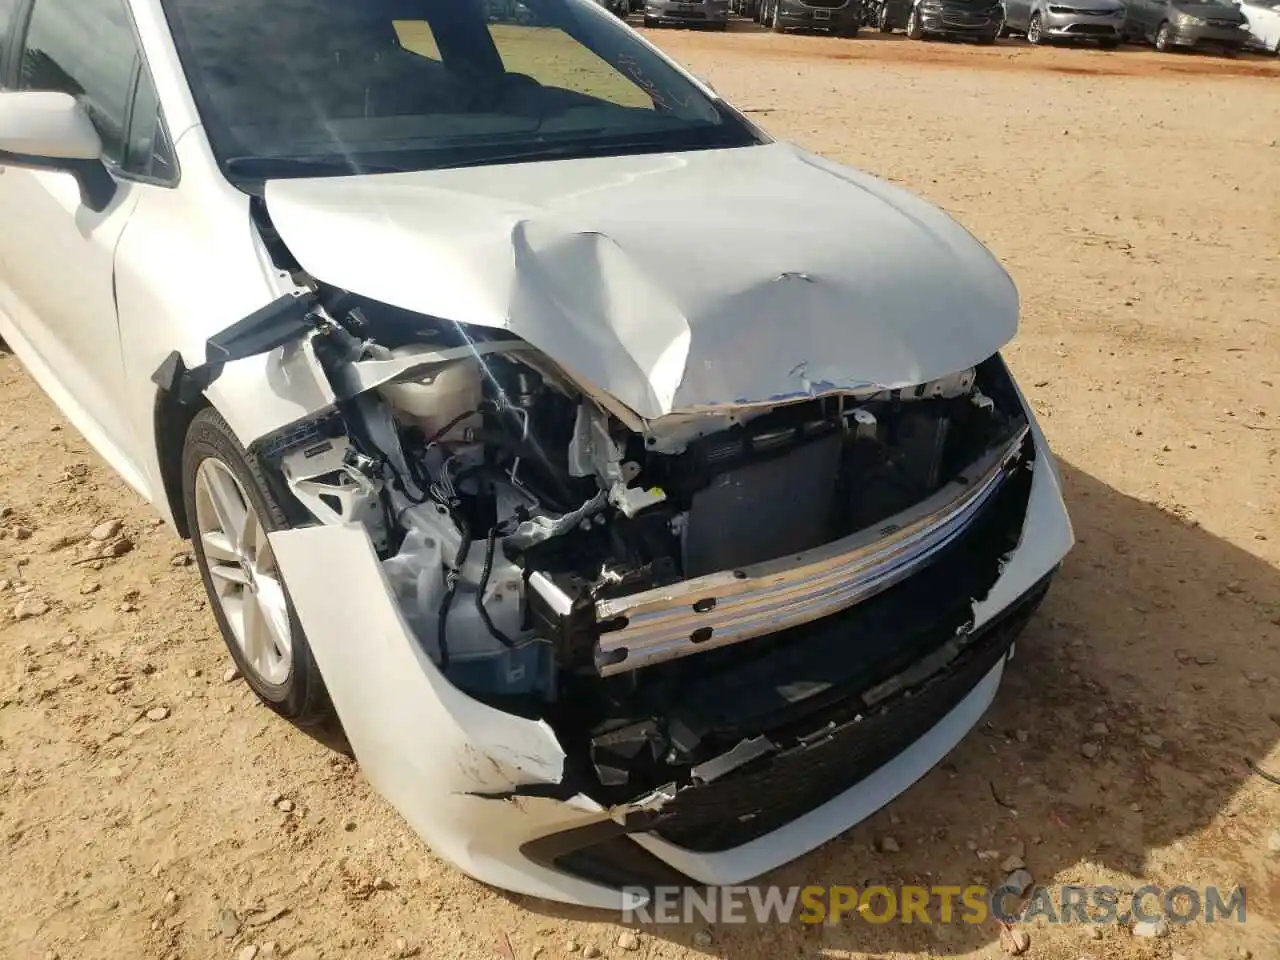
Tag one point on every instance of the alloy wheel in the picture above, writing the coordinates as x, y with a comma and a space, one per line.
1162, 38
242, 568
1035, 30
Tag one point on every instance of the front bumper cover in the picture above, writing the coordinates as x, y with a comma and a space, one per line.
695, 11
486, 783
1083, 25
1231, 38
792, 13
945, 19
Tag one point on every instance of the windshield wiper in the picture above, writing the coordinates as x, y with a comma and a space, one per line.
579, 150
267, 167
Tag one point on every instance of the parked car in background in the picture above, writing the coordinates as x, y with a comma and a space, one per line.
619, 8
1263, 19
977, 20
713, 14
1041, 21
886, 15
1187, 24
843, 17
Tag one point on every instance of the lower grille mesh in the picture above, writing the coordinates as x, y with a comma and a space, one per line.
764, 796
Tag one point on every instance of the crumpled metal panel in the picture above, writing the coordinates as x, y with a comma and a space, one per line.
673, 282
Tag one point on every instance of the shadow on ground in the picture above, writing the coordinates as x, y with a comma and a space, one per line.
1150, 631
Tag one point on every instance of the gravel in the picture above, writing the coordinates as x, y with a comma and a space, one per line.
105, 531
1158, 927
29, 607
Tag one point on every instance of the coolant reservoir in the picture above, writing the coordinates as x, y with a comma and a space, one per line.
446, 392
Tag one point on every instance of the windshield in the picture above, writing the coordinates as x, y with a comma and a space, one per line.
309, 87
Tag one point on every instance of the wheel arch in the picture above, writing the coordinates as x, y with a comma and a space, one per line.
172, 418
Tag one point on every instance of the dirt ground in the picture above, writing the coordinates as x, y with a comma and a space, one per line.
1136, 200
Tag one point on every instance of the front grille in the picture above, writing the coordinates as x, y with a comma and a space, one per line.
825, 4
764, 796
1226, 24
1092, 29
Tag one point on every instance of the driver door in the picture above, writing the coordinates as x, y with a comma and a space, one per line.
1149, 13
57, 257
1017, 13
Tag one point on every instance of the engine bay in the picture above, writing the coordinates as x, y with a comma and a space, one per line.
514, 509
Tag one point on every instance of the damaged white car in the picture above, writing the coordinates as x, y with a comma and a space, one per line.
647, 498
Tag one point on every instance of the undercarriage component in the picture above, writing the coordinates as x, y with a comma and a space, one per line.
327, 477
464, 604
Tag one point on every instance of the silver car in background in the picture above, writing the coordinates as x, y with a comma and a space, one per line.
1043, 20
713, 14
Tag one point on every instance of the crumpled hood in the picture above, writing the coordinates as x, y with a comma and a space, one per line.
674, 282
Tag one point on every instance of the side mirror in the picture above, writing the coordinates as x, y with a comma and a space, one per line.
52, 131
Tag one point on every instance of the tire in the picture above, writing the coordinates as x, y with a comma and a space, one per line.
1164, 38
650, 22
1108, 43
988, 38
1035, 30
775, 19
882, 18
213, 456
850, 32
915, 30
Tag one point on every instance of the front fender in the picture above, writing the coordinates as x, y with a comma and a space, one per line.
451, 766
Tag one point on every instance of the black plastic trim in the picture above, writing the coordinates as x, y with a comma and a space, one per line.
97, 186
280, 322
602, 853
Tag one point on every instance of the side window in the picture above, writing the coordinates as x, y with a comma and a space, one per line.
415, 36
84, 48
147, 152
